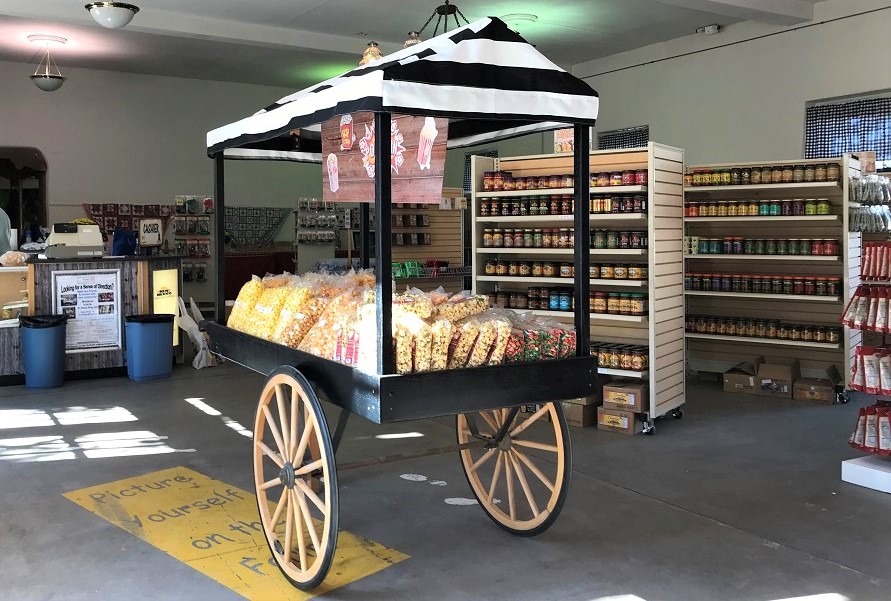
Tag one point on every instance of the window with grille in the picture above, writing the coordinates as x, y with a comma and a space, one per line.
630, 137
834, 128
489, 152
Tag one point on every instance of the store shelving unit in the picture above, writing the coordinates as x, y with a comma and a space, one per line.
715, 353
661, 329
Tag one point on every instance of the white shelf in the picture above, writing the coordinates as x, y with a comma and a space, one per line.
539, 280
563, 251
561, 191
777, 218
769, 341
623, 373
797, 188
763, 257
595, 218
752, 295
594, 316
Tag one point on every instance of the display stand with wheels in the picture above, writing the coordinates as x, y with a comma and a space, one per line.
517, 465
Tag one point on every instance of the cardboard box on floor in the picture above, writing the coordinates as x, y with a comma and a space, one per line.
818, 389
618, 420
741, 377
579, 416
776, 377
626, 396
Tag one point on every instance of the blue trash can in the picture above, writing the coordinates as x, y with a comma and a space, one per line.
43, 350
149, 346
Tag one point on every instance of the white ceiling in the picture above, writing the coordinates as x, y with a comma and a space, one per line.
294, 43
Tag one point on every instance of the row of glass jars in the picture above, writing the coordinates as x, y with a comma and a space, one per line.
730, 245
611, 355
771, 174
505, 181
554, 269
763, 284
555, 204
529, 238
762, 328
759, 208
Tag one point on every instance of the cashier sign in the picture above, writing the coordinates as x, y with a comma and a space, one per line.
151, 232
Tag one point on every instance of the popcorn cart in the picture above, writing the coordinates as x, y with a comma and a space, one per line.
517, 464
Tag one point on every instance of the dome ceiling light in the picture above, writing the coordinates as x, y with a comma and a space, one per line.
113, 15
516, 18
47, 77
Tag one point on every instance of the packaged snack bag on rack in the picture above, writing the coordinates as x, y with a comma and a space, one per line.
857, 379
870, 430
264, 317
883, 426
463, 339
885, 371
869, 355
872, 312
881, 320
568, 342
414, 301
861, 311
247, 298
441, 331
502, 338
413, 342
515, 350
851, 309
298, 295
461, 306
856, 439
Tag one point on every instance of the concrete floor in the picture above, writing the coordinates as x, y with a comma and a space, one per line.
740, 500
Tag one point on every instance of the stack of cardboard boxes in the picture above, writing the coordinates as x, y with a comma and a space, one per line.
781, 378
622, 402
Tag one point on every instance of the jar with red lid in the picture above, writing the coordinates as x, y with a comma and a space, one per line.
776, 285
830, 248
692, 209
519, 239
566, 203
615, 178
640, 177
628, 177
798, 286
498, 181
508, 238
817, 247
810, 286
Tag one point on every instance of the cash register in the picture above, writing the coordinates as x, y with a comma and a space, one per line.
73, 241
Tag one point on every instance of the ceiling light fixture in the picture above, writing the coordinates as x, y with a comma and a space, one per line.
516, 18
372, 53
113, 15
47, 77
443, 11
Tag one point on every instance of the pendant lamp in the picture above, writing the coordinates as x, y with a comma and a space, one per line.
47, 77
372, 53
113, 15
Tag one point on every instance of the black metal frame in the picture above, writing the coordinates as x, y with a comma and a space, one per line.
384, 397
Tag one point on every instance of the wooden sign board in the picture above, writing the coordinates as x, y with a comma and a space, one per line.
417, 161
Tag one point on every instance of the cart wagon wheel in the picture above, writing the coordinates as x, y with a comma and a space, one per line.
295, 478
521, 483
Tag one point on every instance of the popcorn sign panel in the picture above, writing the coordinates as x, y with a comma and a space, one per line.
417, 158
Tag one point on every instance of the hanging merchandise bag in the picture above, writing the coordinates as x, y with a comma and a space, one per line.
203, 356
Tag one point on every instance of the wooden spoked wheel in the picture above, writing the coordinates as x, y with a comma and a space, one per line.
521, 482
295, 478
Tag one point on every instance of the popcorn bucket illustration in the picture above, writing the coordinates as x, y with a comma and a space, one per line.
347, 137
425, 144
333, 173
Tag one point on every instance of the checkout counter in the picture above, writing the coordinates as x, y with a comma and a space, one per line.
96, 293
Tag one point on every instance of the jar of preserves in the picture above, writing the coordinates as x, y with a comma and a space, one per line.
509, 185
565, 238
488, 180
519, 183
497, 238
767, 175
602, 180
638, 360
628, 177
491, 266
760, 329
542, 182
821, 287
508, 238
798, 286
745, 176
638, 240
824, 207
638, 304
706, 282
555, 181
613, 304
753, 208
776, 285
755, 175
722, 209
513, 268
691, 209
501, 268
820, 335
810, 174
820, 172
748, 246
817, 248
714, 246
615, 178
624, 304
775, 208
783, 332
498, 181
732, 208
810, 206
750, 328
698, 179
502, 299
485, 205
688, 180
598, 239
554, 205
788, 285
625, 240
537, 270
728, 245
776, 174
773, 329
789, 174
565, 300
832, 172
487, 238
566, 270
599, 304
807, 333
786, 208
566, 203
531, 183
549, 269
833, 335
764, 208
519, 239
547, 240
810, 285
640, 177
568, 180
798, 173
554, 299
612, 240
730, 327
528, 238
830, 248
536, 238
615, 358
607, 272
760, 246
522, 301
620, 272
770, 246
782, 246
833, 286
735, 176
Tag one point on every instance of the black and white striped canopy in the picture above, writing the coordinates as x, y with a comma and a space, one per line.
485, 78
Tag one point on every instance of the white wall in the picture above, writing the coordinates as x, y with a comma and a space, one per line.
121, 137
745, 102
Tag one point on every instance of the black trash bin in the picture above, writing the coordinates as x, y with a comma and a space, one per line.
149, 346
43, 350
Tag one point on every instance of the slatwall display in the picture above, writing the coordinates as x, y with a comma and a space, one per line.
711, 353
661, 328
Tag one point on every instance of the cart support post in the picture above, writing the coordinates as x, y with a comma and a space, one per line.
383, 198
582, 223
364, 236
219, 197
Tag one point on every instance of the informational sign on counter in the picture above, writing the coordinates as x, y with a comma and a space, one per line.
165, 296
92, 302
